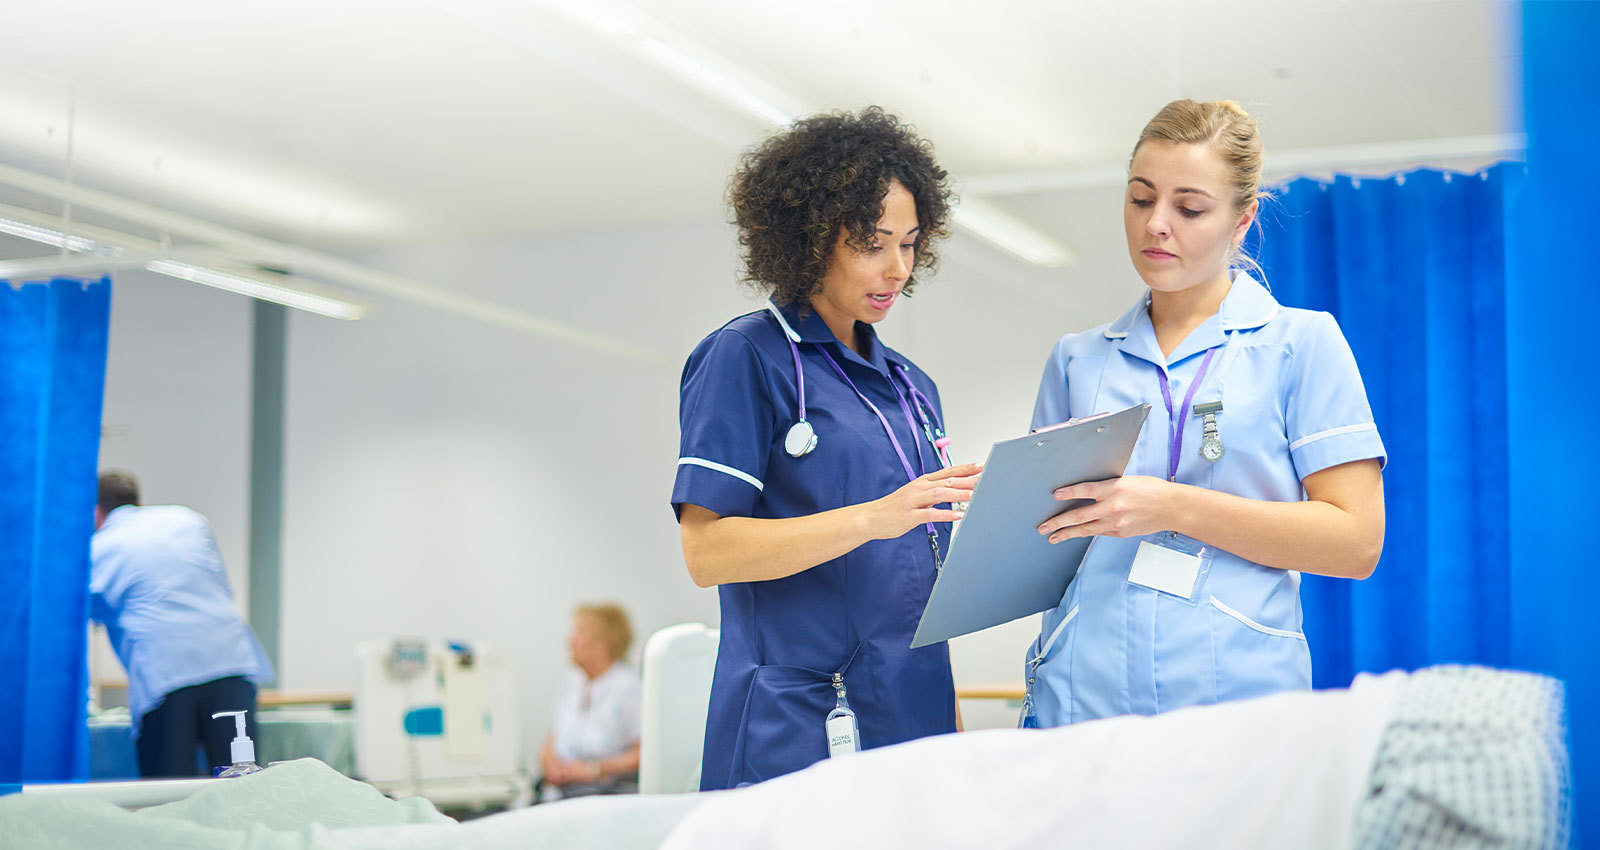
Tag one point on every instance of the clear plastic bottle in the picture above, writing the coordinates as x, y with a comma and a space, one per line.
844, 734
244, 750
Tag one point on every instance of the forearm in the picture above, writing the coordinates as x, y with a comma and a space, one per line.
733, 549
1309, 536
625, 763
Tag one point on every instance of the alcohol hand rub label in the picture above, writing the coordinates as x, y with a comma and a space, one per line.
841, 736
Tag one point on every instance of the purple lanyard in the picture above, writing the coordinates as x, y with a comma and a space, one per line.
905, 408
933, 430
1175, 423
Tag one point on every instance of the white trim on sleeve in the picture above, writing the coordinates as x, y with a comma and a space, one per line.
1331, 432
1266, 630
726, 470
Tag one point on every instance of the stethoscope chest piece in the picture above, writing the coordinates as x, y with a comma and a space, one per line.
800, 440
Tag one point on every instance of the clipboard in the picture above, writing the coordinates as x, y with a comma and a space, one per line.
999, 566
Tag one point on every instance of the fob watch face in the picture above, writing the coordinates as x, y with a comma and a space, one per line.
1211, 449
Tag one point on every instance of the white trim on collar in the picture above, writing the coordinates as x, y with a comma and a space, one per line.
773, 309
1120, 328
1252, 323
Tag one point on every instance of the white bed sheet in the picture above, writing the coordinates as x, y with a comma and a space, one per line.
1282, 771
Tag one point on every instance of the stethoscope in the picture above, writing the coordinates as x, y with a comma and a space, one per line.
801, 438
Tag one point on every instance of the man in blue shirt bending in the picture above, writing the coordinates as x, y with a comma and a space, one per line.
157, 583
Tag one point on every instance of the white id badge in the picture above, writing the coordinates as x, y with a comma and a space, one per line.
841, 735
1172, 564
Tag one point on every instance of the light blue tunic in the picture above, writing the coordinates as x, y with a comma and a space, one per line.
156, 581
1293, 404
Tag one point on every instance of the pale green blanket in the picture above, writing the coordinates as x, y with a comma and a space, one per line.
306, 805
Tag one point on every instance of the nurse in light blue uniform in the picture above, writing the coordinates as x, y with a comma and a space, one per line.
1260, 460
813, 487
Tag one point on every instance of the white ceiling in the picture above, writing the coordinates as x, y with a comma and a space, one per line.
350, 124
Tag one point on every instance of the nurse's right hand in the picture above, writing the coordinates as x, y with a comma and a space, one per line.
916, 503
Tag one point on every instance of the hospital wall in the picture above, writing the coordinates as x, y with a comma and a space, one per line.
177, 409
450, 477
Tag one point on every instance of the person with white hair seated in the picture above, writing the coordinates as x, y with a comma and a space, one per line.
593, 747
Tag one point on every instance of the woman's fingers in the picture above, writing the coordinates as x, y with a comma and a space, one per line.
1074, 519
966, 482
939, 515
1097, 490
1088, 529
963, 470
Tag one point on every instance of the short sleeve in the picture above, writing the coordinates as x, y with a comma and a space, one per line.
1327, 415
1053, 403
726, 419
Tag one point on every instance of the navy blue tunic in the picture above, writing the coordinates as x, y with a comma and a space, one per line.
783, 640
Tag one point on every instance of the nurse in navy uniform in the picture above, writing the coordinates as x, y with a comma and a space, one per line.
814, 488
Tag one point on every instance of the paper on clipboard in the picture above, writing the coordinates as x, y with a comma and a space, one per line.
999, 566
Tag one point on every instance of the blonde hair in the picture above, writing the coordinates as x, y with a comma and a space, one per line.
1224, 127
611, 622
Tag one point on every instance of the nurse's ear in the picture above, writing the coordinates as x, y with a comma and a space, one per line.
1245, 220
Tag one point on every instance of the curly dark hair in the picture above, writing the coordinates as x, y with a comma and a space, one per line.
792, 193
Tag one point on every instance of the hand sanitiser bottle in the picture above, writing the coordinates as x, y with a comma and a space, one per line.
844, 735
244, 750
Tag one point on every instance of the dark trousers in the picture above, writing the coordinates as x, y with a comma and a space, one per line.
170, 732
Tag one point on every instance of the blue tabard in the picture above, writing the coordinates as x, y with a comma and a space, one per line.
783, 640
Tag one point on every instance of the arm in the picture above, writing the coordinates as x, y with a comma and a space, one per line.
724, 549
1337, 531
553, 768
625, 763
556, 769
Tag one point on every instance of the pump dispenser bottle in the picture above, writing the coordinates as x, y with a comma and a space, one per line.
244, 750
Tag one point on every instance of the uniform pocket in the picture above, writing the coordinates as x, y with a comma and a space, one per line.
783, 722
1252, 659
1252, 624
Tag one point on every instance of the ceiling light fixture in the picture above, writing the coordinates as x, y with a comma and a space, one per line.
1012, 234
664, 48
56, 238
259, 289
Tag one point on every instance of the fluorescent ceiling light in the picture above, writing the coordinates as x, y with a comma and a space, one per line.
702, 70
713, 81
1012, 234
260, 289
56, 238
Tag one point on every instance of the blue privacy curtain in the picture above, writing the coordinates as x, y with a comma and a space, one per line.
52, 380
1473, 305
1414, 268
1553, 435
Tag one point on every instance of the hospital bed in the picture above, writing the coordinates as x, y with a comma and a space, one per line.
1443, 758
